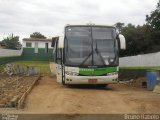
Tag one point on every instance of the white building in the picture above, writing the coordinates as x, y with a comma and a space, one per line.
37, 49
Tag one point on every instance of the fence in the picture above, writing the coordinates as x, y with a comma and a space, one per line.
9, 59
152, 59
7, 55
9, 52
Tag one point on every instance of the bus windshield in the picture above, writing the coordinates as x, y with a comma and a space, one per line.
87, 46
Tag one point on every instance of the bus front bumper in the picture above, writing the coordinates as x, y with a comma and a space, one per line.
91, 79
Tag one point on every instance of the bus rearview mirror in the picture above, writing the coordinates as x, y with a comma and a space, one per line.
53, 43
54, 39
122, 42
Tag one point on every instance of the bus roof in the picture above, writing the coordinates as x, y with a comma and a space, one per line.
90, 24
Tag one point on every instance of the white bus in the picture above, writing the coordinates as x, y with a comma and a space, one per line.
88, 54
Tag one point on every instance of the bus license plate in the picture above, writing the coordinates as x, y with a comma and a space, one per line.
92, 81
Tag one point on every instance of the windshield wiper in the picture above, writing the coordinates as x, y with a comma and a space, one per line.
86, 58
97, 51
99, 54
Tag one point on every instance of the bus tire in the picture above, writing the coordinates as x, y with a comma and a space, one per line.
102, 85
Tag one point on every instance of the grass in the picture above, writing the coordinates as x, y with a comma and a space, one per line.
2, 67
8, 56
43, 65
143, 68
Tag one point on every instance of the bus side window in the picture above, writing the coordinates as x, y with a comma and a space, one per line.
58, 54
58, 59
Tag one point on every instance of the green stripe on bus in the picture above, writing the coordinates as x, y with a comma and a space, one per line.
97, 71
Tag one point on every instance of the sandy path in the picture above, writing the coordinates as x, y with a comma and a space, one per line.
51, 97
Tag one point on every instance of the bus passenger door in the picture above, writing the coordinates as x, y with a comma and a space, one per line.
58, 63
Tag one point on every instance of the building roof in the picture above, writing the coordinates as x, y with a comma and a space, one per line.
37, 39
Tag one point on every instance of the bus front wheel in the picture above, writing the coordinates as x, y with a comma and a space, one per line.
102, 85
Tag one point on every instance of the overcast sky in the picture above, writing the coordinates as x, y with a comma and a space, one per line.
23, 17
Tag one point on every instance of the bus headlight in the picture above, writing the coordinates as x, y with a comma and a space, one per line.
71, 73
113, 73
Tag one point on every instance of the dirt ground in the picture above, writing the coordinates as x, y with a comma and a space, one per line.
50, 97
12, 89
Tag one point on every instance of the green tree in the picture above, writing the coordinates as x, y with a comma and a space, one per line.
145, 38
119, 26
136, 39
154, 18
37, 35
11, 42
129, 32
